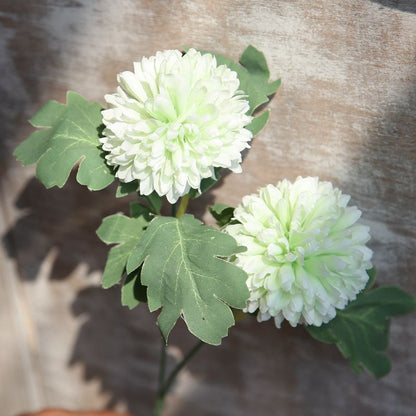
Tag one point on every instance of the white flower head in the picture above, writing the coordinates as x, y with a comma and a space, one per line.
306, 253
173, 120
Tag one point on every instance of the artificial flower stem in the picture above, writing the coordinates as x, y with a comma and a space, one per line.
163, 387
180, 366
182, 206
162, 368
160, 403
161, 378
174, 209
152, 200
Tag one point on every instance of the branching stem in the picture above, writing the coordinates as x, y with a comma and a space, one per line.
164, 386
181, 365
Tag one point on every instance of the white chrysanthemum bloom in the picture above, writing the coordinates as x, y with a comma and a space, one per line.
173, 120
306, 254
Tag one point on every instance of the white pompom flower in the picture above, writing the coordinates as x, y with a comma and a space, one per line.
173, 120
306, 254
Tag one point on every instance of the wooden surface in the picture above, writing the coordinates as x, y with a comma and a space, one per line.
345, 112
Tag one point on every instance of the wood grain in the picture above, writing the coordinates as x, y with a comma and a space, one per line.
60, 412
345, 112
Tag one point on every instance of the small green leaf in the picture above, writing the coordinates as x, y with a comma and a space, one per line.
222, 213
361, 330
126, 233
255, 62
155, 201
126, 188
258, 123
133, 292
140, 210
371, 278
186, 274
71, 135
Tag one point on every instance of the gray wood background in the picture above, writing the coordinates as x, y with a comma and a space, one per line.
345, 112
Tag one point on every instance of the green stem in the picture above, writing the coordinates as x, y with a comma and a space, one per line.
181, 365
163, 387
174, 209
183, 205
160, 402
154, 201
161, 379
162, 369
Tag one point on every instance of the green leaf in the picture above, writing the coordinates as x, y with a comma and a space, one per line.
140, 210
258, 123
222, 213
371, 278
255, 62
126, 188
71, 135
186, 274
155, 201
361, 330
126, 233
133, 292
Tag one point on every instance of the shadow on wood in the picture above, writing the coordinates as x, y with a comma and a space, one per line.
60, 412
63, 219
402, 5
118, 347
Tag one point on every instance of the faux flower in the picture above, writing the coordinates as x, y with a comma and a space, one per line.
173, 120
306, 253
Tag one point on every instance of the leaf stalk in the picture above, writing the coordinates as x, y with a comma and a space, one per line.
182, 206
165, 385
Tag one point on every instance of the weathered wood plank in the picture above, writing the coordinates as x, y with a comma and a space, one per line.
18, 353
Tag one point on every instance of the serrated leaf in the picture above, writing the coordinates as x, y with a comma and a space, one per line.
255, 62
126, 233
361, 330
71, 135
222, 213
185, 271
